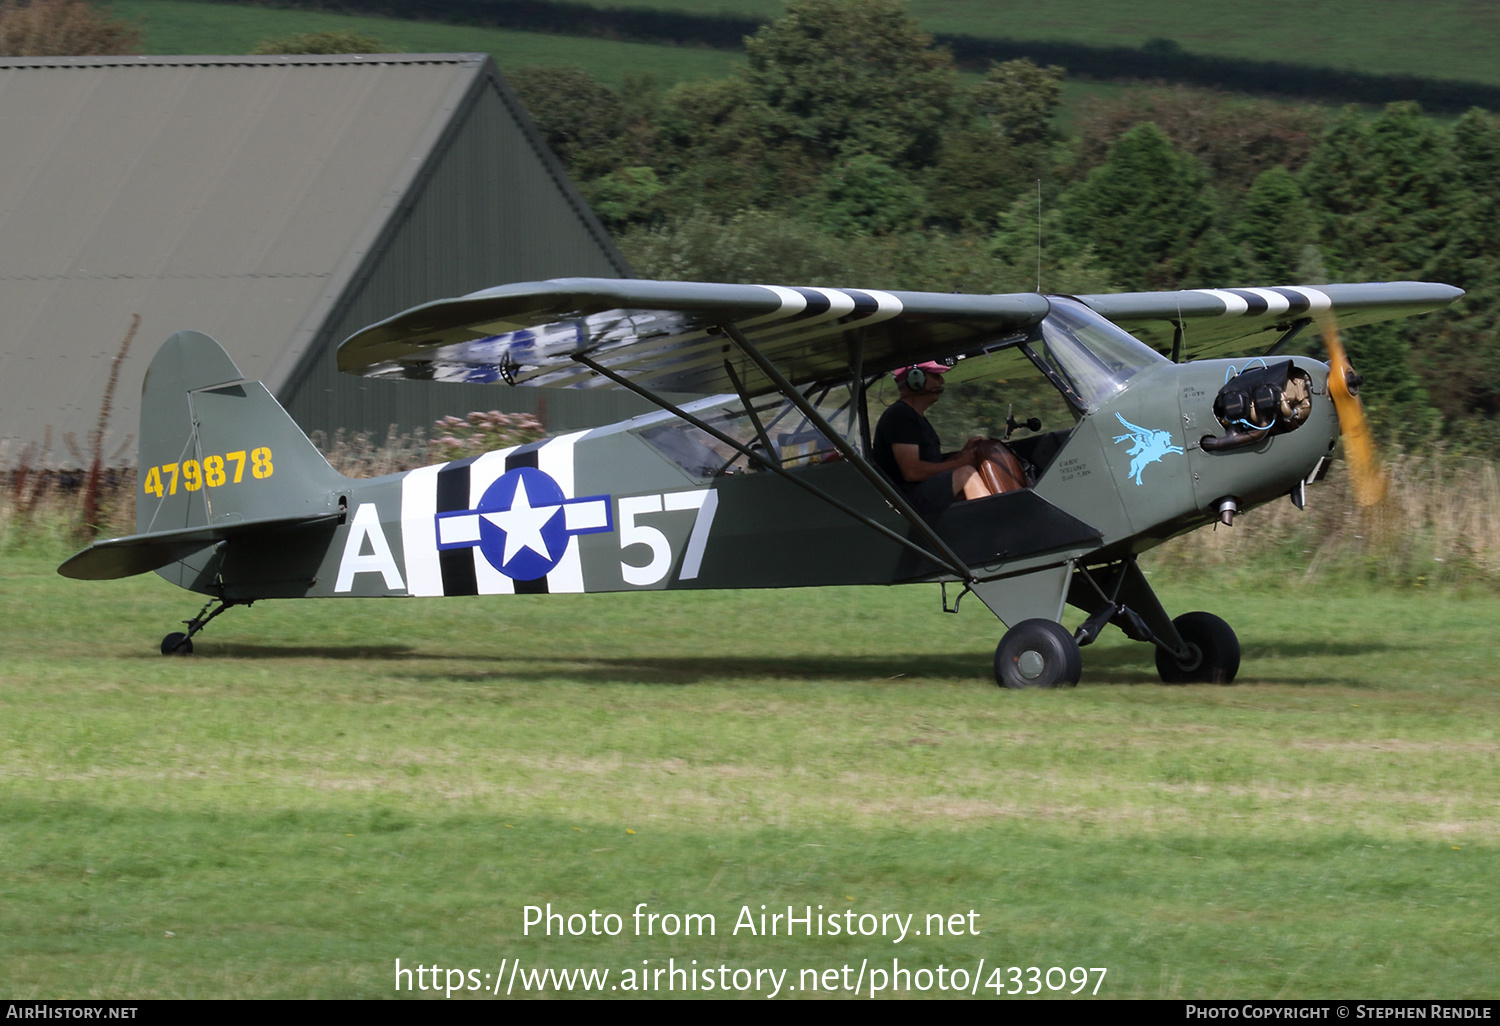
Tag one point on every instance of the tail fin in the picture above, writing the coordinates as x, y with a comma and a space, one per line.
219, 458
216, 449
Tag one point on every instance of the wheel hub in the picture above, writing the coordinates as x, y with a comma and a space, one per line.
1030, 664
1211, 656
1037, 653
1194, 659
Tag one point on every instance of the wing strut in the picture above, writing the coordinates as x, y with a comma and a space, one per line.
955, 565
898, 502
1290, 334
859, 417
760, 430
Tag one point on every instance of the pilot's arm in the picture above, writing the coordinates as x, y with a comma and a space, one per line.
916, 470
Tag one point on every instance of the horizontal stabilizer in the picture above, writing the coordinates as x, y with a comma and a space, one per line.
142, 553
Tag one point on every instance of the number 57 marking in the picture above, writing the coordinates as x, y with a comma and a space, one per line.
705, 501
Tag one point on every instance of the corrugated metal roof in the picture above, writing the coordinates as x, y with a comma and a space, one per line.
232, 195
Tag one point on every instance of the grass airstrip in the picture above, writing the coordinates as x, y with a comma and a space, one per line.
328, 787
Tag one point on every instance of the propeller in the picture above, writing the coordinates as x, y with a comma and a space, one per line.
1359, 441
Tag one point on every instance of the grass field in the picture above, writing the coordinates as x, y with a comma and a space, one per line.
1436, 38
181, 27
1440, 39
330, 786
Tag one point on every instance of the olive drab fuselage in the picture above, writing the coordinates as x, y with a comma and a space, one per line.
770, 484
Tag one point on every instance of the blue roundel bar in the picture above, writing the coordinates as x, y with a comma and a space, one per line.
524, 523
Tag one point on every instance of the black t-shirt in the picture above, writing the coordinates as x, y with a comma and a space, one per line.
903, 425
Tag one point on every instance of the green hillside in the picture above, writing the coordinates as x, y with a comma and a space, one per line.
704, 184
182, 27
1434, 38
1441, 39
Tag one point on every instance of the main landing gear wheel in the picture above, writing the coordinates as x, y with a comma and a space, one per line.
1038, 654
177, 643
1215, 652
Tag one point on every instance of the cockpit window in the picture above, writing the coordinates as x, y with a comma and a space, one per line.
1089, 357
793, 441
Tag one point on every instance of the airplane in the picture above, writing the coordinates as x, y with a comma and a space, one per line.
756, 471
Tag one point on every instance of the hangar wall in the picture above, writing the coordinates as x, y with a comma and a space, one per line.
493, 205
277, 203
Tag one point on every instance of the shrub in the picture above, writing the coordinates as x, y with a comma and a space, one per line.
458, 437
56, 28
321, 42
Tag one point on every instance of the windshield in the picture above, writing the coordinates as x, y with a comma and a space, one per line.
1089, 357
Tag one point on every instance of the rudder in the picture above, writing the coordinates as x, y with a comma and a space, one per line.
216, 448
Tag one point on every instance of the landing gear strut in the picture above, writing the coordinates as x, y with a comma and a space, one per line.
178, 643
1038, 652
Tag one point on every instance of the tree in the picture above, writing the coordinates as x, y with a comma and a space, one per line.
1274, 227
1392, 390
580, 117
1000, 152
1382, 189
52, 28
978, 174
1020, 99
321, 43
1042, 256
866, 195
749, 246
713, 153
850, 77
1235, 139
625, 196
1149, 215
1461, 359
1385, 193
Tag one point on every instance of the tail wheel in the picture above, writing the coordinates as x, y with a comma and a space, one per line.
1215, 652
177, 643
1038, 654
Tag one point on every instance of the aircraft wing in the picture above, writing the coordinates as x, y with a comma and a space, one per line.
1221, 322
666, 336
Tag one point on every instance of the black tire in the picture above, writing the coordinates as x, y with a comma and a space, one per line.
1215, 649
177, 643
1038, 654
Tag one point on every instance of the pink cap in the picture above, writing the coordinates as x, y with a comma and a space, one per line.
931, 367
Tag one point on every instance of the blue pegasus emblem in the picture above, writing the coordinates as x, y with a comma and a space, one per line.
1146, 446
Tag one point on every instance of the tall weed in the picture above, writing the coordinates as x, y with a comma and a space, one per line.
1439, 525
47, 511
47, 28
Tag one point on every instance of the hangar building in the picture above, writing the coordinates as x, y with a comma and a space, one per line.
278, 204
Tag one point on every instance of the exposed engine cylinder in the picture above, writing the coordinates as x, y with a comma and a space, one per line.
1259, 402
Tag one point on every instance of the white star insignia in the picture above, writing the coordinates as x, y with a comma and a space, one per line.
523, 524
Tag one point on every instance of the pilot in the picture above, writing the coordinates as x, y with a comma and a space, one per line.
907, 450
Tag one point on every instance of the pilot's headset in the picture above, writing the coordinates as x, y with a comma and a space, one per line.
917, 379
